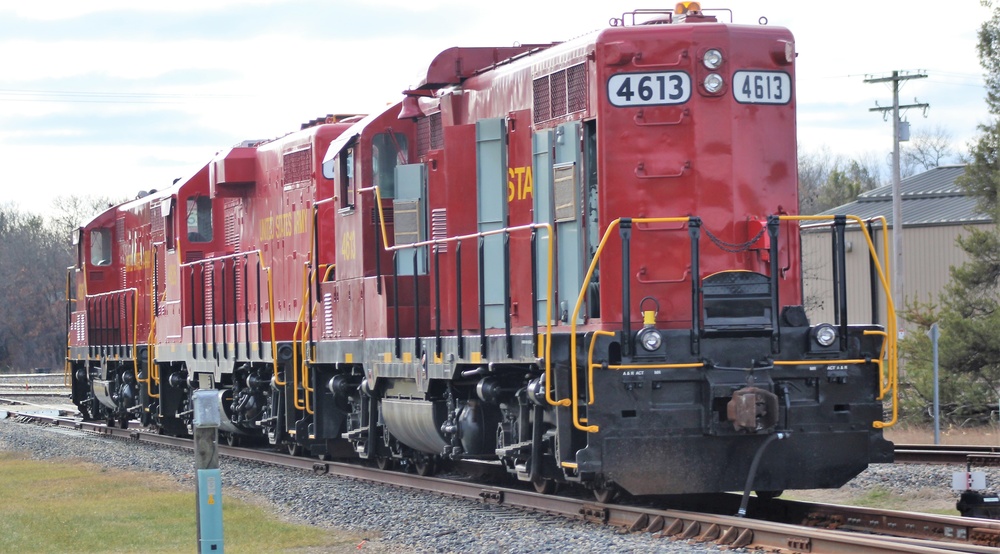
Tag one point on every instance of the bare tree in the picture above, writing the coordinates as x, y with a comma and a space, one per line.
926, 149
827, 181
73, 211
33, 261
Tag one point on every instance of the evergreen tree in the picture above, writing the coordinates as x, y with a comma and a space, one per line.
968, 315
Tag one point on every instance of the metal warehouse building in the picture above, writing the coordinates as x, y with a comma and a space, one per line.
935, 213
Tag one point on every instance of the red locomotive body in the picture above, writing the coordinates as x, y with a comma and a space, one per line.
579, 261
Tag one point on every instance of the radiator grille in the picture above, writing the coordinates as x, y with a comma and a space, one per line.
542, 96
297, 166
430, 135
576, 89
157, 222
560, 93
558, 84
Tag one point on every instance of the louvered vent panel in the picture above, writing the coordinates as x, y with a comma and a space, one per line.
407, 224
327, 316
576, 78
387, 213
297, 166
542, 102
559, 93
80, 323
232, 224
209, 288
565, 192
193, 256
439, 227
120, 230
234, 280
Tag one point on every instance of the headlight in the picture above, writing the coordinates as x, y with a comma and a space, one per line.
650, 339
825, 334
713, 59
713, 83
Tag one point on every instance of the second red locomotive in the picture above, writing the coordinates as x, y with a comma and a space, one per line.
579, 261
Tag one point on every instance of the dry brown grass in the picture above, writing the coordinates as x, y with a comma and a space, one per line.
988, 435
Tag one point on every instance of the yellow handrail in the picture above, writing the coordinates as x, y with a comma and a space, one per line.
295, 349
151, 340
579, 303
274, 344
891, 334
889, 347
548, 301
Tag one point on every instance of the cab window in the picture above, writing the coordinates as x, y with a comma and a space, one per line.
346, 176
100, 247
199, 219
388, 151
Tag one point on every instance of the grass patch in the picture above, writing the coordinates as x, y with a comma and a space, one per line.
70, 506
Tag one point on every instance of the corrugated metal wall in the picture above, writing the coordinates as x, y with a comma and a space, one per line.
929, 252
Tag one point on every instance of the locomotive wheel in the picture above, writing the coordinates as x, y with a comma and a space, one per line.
424, 466
544, 486
123, 422
233, 439
606, 494
383, 462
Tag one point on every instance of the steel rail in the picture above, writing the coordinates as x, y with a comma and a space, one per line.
823, 528
941, 453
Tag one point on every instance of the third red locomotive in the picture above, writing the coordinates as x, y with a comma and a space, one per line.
579, 261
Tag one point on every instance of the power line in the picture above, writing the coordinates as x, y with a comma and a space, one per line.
70, 96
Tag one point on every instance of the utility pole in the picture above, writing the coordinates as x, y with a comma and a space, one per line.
897, 201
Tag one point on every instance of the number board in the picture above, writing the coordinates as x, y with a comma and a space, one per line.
762, 87
649, 89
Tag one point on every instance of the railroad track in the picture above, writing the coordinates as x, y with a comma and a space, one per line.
17, 385
946, 454
783, 526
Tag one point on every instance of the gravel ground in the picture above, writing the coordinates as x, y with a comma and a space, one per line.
397, 520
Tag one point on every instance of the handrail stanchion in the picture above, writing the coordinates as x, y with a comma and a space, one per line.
625, 231
694, 232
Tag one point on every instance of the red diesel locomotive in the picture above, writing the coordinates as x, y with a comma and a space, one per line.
579, 261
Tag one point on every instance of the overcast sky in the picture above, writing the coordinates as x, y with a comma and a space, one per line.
109, 97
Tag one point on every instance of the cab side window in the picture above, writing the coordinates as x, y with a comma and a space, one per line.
100, 247
345, 174
388, 151
199, 219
